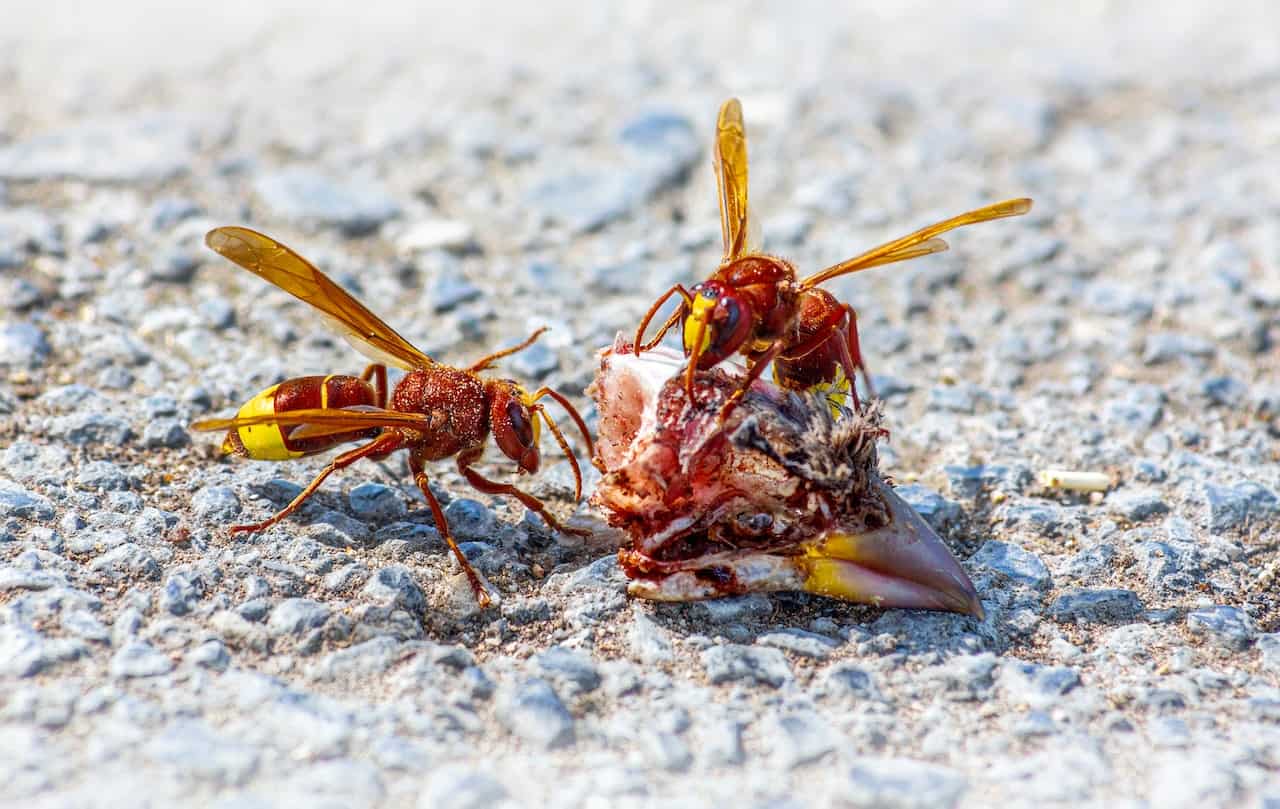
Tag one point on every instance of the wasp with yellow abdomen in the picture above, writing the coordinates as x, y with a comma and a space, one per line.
435, 411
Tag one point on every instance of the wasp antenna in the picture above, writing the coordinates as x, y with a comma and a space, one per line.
564, 447
571, 410
487, 360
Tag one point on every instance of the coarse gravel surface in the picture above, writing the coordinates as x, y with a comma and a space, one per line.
475, 174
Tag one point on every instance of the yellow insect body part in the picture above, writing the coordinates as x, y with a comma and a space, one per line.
261, 442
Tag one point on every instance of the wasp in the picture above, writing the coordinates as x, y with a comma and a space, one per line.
755, 305
435, 411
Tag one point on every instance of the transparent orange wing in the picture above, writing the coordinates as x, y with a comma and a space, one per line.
730, 163
326, 420
273, 262
920, 243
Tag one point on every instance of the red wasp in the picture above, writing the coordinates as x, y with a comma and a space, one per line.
754, 305
435, 411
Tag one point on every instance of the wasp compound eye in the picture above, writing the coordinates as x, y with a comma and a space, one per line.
518, 416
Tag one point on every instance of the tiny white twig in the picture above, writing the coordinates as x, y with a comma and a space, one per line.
1075, 481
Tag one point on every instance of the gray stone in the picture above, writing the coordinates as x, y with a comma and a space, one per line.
1149, 471
650, 643
900, 783
1269, 645
735, 609
746, 664
960, 398
1091, 564
522, 611
963, 677
215, 504
101, 476
586, 201
296, 616
1233, 508
217, 313
800, 642
720, 743
140, 660
127, 561
180, 594
1193, 779
1012, 565
470, 519
1138, 408
302, 195
129, 148
255, 609
1173, 566
461, 787
1224, 626
69, 398
801, 738
166, 212
1225, 391
25, 653
849, 680
534, 362
85, 624
211, 654
1136, 505
664, 750
1040, 687
166, 433
1045, 519
196, 751
1164, 347
573, 671
449, 291
938, 511
395, 586
88, 428
27, 505
159, 405
23, 345
376, 502
1096, 606
532, 711
175, 266
969, 481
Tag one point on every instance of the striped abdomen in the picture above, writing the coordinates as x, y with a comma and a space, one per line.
271, 442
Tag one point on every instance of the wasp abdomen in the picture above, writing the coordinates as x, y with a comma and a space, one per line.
271, 442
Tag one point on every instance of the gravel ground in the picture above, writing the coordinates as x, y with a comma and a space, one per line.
476, 175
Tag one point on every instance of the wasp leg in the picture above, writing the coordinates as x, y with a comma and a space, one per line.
383, 444
418, 464
753, 373
378, 373
856, 358
483, 484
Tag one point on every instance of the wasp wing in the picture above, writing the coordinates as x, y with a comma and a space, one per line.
914, 245
281, 266
325, 421
730, 163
